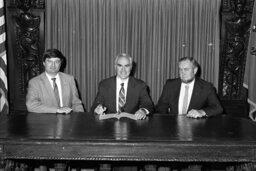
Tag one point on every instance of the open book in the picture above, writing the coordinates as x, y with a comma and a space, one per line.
118, 116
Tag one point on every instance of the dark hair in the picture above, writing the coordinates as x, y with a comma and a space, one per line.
53, 53
191, 59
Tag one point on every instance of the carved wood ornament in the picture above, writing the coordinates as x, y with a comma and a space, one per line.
236, 20
28, 41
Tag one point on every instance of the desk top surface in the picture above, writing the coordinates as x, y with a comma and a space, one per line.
82, 127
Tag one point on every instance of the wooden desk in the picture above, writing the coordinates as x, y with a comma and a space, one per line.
81, 136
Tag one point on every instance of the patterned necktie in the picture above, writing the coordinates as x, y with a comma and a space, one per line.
185, 101
56, 91
121, 99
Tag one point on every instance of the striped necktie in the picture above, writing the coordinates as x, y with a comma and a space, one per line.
121, 99
185, 101
56, 91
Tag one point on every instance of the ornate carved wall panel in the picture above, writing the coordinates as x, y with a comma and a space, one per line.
236, 20
26, 45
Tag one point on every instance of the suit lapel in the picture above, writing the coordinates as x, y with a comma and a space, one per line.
112, 89
130, 91
176, 96
113, 93
195, 95
64, 88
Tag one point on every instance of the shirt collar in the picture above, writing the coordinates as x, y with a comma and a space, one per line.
50, 77
119, 81
191, 84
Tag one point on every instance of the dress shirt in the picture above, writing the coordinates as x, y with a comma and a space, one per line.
182, 94
58, 84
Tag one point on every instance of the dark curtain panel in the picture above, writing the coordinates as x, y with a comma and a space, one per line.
90, 33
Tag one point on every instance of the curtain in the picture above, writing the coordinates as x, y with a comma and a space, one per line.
90, 33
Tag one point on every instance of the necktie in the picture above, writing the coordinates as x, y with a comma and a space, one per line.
185, 101
56, 91
121, 99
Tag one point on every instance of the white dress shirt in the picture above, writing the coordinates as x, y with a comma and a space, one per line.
58, 84
182, 94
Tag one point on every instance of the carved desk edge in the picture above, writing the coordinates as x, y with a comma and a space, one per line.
129, 151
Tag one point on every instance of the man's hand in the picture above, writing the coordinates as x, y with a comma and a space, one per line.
140, 114
64, 109
196, 113
100, 110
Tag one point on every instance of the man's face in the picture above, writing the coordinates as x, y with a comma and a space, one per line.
123, 67
187, 71
52, 65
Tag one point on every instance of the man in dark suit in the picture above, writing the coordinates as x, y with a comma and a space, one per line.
135, 98
189, 94
53, 91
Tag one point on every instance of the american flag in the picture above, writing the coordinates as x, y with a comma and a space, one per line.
4, 107
250, 68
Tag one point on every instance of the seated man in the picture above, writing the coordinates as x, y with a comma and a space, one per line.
123, 93
188, 94
53, 91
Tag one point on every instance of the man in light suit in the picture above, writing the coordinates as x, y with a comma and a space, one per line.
200, 99
137, 99
41, 95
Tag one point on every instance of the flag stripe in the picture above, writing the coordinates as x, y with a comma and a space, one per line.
1, 11
2, 85
1, 3
3, 57
3, 102
2, 28
2, 47
1, 20
2, 38
3, 71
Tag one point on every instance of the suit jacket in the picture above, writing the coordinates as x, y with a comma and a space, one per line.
136, 97
40, 96
203, 97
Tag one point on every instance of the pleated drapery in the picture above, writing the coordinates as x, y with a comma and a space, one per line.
90, 33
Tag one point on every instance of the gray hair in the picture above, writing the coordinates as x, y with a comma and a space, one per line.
125, 55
